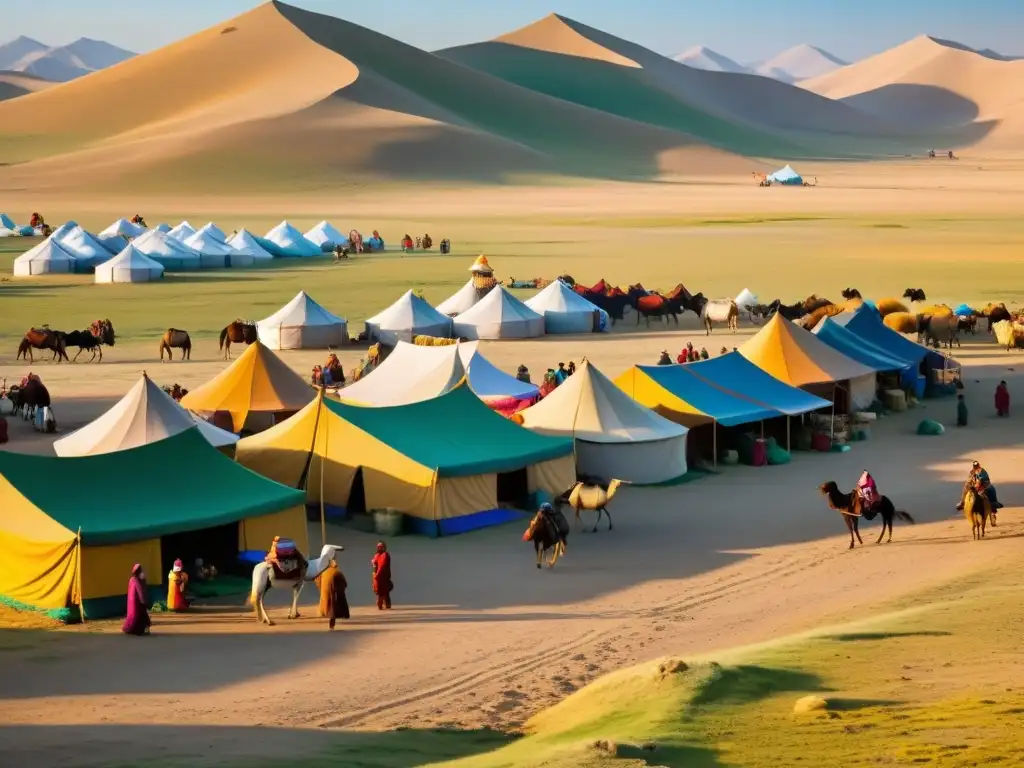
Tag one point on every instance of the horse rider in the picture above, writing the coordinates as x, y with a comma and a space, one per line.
868, 490
982, 484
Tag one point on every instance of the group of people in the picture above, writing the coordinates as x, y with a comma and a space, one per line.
554, 377
979, 479
688, 354
330, 374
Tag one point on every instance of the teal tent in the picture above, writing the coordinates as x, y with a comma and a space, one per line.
786, 176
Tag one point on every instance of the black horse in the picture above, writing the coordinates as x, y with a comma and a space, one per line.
788, 311
851, 293
915, 294
548, 531
84, 340
852, 509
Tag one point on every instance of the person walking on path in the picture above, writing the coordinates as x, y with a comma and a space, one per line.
382, 584
137, 622
333, 603
1002, 400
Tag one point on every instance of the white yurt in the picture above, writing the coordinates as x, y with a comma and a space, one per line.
616, 437
143, 416
213, 253
325, 236
129, 266
47, 258
565, 311
170, 252
460, 301
165, 228
122, 228
291, 241
407, 318
6, 222
499, 315
212, 229
745, 299
246, 250
302, 324
86, 249
183, 231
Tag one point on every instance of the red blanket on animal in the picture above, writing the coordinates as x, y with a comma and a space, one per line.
650, 303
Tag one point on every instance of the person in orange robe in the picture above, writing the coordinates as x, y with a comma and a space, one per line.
177, 583
333, 603
382, 584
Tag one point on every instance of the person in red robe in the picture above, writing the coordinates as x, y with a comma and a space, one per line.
1002, 400
382, 584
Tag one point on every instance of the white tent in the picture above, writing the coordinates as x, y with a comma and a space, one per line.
129, 266
460, 301
302, 324
213, 253
291, 241
122, 228
5, 232
47, 258
145, 415
565, 311
6, 222
170, 252
745, 299
410, 316
616, 437
86, 249
246, 247
325, 236
499, 315
183, 231
212, 229
165, 228
412, 373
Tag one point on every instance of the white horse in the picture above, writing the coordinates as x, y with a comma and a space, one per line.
720, 311
263, 579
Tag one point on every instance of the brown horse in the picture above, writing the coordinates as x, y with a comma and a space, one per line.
175, 338
977, 509
851, 507
548, 531
236, 333
42, 338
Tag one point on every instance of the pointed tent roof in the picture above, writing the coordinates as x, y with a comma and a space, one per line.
733, 372
300, 311
798, 357
499, 315
168, 250
786, 176
257, 381
410, 316
144, 415
6, 222
183, 231
206, 243
123, 228
243, 242
129, 266
565, 311
460, 301
855, 348
165, 228
589, 407
46, 258
212, 229
291, 241
745, 299
325, 233
410, 374
867, 324
80, 243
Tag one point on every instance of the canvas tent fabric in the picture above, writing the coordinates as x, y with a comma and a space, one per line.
443, 475
745, 299
460, 301
64, 548
680, 395
183, 231
6, 222
616, 437
565, 311
797, 357
786, 176
868, 325
410, 374
213, 231
213, 253
129, 266
144, 415
855, 348
122, 228
246, 245
739, 376
290, 242
302, 324
407, 318
499, 315
325, 236
258, 381
169, 251
44, 259
165, 228
86, 249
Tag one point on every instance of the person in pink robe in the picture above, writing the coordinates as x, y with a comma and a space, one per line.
136, 622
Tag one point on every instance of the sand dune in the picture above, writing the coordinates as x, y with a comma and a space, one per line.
930, 81
14, 84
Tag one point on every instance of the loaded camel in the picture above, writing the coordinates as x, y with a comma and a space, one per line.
850, 506
549, 531
591, 496
723, 311
264, 576
99, 333
237, 332
42, 338
174, 338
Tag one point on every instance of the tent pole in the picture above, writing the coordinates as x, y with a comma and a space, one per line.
323, 509
78, 575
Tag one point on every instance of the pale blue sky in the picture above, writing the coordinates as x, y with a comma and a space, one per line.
745, 30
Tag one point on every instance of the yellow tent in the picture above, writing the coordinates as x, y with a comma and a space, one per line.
257, 382
450, 463
72, 528
798, 357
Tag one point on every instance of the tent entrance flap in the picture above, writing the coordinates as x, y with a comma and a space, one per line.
514, 488
217, 546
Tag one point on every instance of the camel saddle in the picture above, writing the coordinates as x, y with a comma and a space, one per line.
286, 560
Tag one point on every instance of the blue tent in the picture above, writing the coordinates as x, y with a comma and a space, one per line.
963, 311
868, 325
7, 222
727, 409
863, 351
786, 176
733, 372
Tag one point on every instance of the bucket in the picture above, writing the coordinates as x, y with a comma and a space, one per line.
387, 522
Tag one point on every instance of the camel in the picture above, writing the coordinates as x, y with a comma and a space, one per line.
654, 305
263, 578
720, 311
850, 506
915, 294
237, 332
591, 497
548, 531
42, 338
851, 293
978, 509
174, 337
